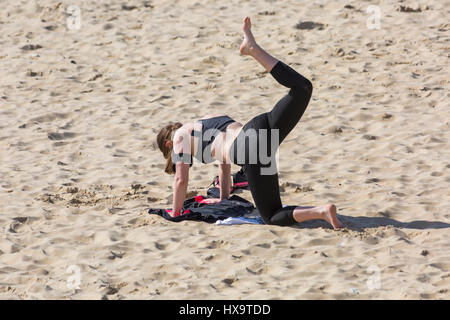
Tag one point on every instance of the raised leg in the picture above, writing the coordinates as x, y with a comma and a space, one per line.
289, 109
284, 116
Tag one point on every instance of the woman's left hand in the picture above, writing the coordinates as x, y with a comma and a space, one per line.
211, 200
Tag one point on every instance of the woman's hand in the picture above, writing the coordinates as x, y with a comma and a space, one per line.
211, 200
170, 212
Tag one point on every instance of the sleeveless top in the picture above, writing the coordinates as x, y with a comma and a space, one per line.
210, 129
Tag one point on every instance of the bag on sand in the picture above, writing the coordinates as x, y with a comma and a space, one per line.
239, 181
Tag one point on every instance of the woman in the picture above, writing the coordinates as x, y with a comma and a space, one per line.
218, 137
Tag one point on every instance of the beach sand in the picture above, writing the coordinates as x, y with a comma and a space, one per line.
81, 103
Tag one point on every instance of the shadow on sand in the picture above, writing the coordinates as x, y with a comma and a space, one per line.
361, 223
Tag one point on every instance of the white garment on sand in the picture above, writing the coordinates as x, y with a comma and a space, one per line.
240, 220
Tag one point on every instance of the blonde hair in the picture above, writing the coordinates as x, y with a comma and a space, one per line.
164, 135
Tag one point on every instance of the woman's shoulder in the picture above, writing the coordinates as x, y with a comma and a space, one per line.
183, 132
186, 127
213, 115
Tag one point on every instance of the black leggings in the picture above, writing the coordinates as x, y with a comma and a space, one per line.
284, 117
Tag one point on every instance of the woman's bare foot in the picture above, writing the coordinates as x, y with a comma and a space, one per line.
249, 47
249, 43
328, 213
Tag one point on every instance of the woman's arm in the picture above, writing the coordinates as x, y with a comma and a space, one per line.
181, 145
224, 180
225, 184
180, 184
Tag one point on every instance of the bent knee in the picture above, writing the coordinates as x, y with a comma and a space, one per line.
308, 86
280, 222
283, 217
303, 91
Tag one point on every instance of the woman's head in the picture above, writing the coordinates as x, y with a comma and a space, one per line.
165, 144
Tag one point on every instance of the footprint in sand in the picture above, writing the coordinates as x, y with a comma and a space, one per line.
61, 136
309, 25
17, 225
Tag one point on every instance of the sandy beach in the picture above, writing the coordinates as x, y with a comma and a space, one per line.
86, 86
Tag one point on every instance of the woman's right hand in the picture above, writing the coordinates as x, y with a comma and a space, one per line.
170, 212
